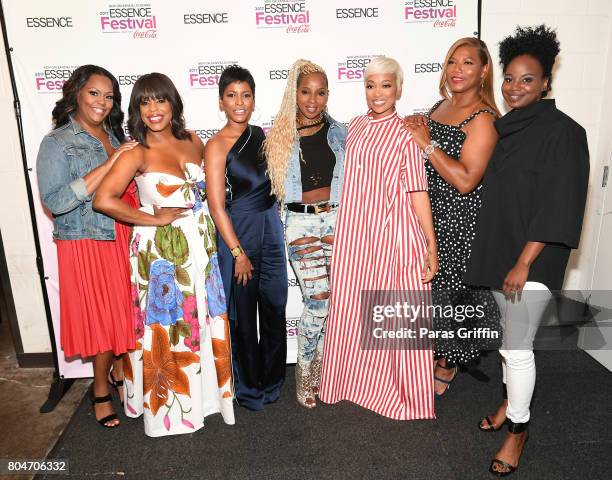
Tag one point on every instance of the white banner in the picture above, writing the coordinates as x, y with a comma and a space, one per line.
191, 41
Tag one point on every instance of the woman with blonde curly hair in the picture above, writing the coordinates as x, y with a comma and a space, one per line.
305, 153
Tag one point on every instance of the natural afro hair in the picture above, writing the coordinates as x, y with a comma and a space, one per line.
538, 42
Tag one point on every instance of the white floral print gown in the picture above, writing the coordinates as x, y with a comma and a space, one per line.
181, 370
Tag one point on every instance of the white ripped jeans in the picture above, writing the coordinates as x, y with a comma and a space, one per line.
520, 321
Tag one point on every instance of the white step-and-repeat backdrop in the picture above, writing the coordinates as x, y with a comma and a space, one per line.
191, 41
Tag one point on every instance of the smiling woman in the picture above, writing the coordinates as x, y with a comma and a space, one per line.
95, 310
305, 152
384, 241
179, 371
521, 246
251, 247
457, 137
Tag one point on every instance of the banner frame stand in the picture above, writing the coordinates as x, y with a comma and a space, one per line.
60, 385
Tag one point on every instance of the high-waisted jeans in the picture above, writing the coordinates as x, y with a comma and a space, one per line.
520, 322
312, 272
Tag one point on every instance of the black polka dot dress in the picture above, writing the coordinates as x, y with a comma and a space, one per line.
455, 218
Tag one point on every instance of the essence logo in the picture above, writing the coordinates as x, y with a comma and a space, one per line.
205, 18
266, 126
278, 74
52, 79
207, 74
292, 326
127, 80
431, 67
442, 13
351, 13
351, 69
291, 15
135, 20
205, 133
49, 22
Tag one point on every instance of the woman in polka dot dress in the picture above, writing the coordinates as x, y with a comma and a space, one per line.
458, 137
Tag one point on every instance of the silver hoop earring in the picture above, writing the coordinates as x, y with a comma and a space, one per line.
222, 116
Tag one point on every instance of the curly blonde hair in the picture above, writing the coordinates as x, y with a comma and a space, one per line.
279, 142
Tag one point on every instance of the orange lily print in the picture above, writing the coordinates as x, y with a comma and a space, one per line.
223, 359
166, 190
163, 369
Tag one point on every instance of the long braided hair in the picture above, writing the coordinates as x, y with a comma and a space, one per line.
279, 142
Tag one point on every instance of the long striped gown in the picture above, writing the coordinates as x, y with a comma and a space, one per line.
379, 245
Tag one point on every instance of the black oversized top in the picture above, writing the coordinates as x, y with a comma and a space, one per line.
534, 190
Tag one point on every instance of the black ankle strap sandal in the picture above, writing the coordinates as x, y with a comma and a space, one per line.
508, 469
109, 418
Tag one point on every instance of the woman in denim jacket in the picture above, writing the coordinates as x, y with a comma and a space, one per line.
94, 281
305, 153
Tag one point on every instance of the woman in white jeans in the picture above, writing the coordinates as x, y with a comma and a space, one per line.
531, 217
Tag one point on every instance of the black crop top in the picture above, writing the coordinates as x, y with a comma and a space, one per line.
318, 161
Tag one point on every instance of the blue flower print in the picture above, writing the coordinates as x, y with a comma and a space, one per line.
164, 298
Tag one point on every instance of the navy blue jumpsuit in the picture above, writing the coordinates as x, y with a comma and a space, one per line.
258, 363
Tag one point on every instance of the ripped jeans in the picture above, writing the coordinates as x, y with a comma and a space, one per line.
310, 259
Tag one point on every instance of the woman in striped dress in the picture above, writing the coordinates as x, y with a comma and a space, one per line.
385, 242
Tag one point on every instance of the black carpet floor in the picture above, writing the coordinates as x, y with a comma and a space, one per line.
570, 436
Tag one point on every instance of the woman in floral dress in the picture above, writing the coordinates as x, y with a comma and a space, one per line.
181, 369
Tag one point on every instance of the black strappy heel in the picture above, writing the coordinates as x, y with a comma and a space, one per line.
447, 382
510, 469
115, 384
106, 398
491, 427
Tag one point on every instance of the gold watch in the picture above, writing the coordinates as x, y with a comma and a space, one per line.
236, 251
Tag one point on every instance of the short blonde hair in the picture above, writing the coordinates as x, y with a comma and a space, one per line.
383, 65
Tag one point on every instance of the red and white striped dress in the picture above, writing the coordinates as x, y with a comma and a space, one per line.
379, 245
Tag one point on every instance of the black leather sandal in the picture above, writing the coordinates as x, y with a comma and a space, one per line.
116, 384
447, 382
507, 468
109, 418
491, 427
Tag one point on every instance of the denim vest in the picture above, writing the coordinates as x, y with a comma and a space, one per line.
336, 138
65, 156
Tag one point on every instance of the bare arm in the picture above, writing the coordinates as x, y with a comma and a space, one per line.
108, 196
94, 178
422, 207
215, 156
465, 174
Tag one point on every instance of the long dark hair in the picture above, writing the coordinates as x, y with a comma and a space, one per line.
68, 103
155, 86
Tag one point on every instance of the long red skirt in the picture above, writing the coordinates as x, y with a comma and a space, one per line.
96, 313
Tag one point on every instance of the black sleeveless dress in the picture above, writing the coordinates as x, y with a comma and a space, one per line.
455, 218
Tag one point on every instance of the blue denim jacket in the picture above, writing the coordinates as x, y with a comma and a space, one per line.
65, 156
336, 138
